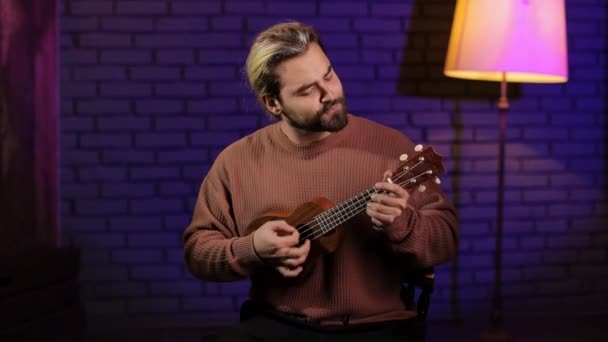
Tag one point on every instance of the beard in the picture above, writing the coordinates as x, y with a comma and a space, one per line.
320, 122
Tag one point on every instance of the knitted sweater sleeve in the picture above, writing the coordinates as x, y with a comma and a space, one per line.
427, 231
213, 249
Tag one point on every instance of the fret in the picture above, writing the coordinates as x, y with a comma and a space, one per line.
318, 223
331, 217
325, 227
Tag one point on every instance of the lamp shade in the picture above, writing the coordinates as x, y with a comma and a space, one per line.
524, 40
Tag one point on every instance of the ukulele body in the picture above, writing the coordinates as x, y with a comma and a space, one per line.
302, 218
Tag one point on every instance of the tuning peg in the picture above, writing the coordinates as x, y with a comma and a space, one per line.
403, 157
437, 180
418, 148
422, 188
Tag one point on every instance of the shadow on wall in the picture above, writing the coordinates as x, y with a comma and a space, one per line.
421, 76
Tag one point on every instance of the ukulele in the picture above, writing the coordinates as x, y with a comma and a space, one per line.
320, 221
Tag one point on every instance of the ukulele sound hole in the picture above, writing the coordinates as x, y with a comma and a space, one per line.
306, 233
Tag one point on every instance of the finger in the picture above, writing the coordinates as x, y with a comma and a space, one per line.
294, 252
301, 249
384, 219
285, 236
305, 247
376, 223
391, 188
304, 250
384, 209
288, 272
388, 174
294, 262
288, 241
287, 252
283, 228
388, 201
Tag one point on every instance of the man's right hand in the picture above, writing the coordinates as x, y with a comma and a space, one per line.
276, 242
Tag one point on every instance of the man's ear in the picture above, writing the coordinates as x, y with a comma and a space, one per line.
273, 106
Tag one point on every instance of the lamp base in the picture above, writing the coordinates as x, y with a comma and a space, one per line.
494, 334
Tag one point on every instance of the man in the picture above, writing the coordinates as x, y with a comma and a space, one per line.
315, 149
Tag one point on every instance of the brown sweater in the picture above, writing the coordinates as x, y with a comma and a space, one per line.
361, 280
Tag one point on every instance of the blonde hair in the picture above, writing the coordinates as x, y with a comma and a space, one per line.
274, 45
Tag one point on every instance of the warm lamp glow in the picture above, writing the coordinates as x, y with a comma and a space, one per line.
524, 39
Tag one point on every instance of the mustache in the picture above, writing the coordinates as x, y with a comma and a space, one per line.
328, 105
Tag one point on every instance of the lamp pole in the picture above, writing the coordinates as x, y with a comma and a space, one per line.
497, 332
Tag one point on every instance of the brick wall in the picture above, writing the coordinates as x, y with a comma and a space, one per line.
151, 91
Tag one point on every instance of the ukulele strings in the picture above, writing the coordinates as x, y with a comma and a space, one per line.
315, 228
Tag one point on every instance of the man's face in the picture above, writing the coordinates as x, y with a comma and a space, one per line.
311, 97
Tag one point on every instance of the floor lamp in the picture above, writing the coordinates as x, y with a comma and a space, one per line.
507, 41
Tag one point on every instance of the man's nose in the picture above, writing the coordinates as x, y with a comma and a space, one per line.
328, 95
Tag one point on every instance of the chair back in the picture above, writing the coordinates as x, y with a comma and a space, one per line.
424, 281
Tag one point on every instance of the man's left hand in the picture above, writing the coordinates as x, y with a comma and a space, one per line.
388, 204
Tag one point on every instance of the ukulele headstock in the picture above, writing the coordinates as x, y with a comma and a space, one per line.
413, 172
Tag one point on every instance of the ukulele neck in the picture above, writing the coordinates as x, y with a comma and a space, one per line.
344, 211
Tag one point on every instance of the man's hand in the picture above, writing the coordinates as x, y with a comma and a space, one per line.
385, 208
276, 242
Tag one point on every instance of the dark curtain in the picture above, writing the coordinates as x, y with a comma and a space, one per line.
28, 125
